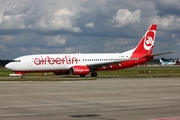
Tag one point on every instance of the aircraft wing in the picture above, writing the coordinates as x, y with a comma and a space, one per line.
100, 65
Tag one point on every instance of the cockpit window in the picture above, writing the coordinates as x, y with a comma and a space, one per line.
16, 61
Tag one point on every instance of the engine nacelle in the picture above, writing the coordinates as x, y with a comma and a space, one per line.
80, 70
62, 72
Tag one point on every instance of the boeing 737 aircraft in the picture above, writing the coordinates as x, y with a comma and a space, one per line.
83, 64
167, 63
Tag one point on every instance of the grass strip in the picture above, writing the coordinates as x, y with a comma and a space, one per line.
134, 72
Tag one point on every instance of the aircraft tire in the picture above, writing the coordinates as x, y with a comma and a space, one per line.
94, 74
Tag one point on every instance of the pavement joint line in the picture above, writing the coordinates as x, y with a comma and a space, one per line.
84, 103
167, 118
13, 115
132, 108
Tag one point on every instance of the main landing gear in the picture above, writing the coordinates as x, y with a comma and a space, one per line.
94, 74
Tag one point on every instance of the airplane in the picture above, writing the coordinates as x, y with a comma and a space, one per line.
82, 64
167, 63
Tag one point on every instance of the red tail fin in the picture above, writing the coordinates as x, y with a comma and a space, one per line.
146, 45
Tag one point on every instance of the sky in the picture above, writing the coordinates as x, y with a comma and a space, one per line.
86, 26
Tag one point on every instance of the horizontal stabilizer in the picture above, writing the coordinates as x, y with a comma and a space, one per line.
161, 54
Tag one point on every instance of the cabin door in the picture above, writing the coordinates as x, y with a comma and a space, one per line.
29, 61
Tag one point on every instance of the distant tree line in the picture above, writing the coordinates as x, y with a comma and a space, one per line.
4, 62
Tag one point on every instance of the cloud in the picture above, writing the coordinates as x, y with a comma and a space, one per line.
62, 19
89, 25
26, 16
61, 26
169, 22
5, 39
19, 8
57, 41
13, 22
125, 17
14, 18
167, 7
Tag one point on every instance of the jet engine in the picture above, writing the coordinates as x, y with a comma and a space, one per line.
80, 70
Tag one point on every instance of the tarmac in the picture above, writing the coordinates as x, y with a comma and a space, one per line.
101, 99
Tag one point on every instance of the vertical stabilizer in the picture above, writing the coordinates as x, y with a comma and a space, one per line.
161, 61
146, 44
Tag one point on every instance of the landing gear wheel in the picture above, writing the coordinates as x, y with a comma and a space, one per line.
93, 74
22, 76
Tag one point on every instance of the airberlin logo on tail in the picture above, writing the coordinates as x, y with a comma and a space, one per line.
149, 39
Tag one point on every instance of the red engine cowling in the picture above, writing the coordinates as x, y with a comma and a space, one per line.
80, 70
62, 72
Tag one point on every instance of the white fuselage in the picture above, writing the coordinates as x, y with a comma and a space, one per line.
53, 62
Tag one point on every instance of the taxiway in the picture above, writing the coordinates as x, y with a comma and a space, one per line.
101, 99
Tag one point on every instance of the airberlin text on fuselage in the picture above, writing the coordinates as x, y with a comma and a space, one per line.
50, 60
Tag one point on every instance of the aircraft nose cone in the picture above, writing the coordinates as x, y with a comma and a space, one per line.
8, 66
